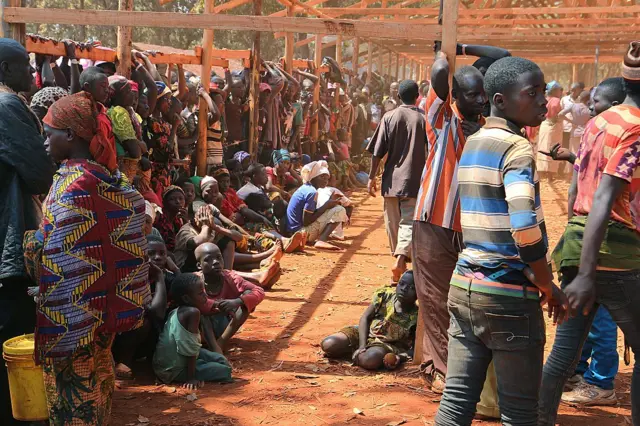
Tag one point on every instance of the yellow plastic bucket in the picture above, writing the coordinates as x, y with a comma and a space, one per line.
26, 380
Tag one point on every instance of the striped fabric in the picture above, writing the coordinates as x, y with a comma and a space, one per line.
502, 220
214, 144
494, 287
611, 145
438, 198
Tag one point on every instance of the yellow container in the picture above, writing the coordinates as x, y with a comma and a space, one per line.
26, 380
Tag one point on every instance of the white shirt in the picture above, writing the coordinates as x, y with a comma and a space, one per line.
566, 102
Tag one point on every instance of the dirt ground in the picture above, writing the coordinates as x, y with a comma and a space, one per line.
280, 375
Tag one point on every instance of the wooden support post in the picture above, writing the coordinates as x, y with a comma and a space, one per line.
315, 134
369, 61
17, 32
450, 33
288, 46
420, 72
254, 88
336, 97
205, 73
379, 66
396, 74
124, 42
449, 40
355, 56
574, 73
404, 68
389, 59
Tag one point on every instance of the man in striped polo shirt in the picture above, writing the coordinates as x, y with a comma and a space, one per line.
502, 274
436, 238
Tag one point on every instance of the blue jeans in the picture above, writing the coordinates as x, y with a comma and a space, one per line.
601, 347
619, 292
507, 330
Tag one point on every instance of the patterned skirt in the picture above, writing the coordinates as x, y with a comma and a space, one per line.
80, 388
160, 177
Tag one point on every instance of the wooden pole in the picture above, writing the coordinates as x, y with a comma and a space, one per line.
17, 32
205, 73
574, 73
355, 57
404, 68
124, 42
316, 92
369, 61
449, 40
254, 88
396, 74
389, 59
380, 61
289, 46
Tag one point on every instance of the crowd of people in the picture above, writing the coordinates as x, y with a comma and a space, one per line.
114, 248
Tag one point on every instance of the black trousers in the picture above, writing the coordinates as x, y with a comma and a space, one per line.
17, 317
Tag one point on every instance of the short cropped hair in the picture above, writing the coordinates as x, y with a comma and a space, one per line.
504, 73
408, 91
614, 87
181, 285
463, 72
90, 75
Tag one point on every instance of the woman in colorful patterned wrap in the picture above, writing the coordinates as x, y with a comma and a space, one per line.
93, 276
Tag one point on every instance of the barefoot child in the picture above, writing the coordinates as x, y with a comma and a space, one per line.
179, 354
230, 297
386, 331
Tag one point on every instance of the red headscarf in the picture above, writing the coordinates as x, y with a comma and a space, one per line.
79, 113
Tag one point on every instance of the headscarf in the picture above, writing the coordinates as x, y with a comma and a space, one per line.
306, 159
46, 97
313, 170
280, 156
150, 210
79, 113
206, 182
117, 83
222, 171
196, 181
552, 86
163, 90
240, 156
631, 63
169, 190
134, 86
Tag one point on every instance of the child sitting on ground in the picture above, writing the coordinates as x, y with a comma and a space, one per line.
230, 298
141, 342
386, 331
179, 354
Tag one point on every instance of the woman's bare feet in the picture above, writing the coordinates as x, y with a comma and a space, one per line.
265, 278
123, 372
323, 245
294, 243
275, 256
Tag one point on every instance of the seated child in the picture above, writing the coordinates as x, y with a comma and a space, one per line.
386, 332
141, 342
179, 354
230, 298
275, 211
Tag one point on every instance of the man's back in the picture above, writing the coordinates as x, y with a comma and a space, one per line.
25, 171
401, 136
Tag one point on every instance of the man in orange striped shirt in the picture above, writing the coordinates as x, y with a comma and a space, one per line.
437, 237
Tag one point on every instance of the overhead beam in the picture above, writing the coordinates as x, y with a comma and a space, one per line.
384, 30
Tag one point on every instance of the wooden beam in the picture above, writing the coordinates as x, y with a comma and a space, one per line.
124, 34
254, 87
369, 61
203, 110
288, 46
355, 56
15, 31
383, 30
607, 10
316, 91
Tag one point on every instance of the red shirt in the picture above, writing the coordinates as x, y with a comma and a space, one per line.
231, 203
234, 287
